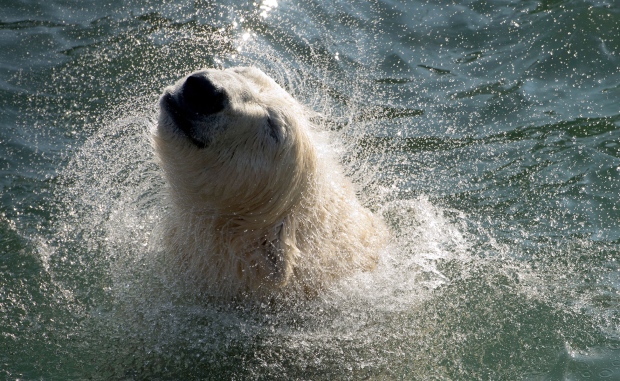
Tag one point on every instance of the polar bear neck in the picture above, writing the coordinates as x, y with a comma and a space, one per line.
254, 208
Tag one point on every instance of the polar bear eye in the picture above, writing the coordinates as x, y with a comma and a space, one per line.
273, 129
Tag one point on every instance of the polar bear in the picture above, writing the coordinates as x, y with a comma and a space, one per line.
256, 207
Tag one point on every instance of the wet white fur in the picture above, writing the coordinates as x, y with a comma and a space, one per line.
257, 217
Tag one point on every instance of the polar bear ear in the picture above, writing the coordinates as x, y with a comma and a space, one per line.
281, 254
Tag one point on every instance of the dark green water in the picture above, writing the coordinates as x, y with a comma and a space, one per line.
487, 133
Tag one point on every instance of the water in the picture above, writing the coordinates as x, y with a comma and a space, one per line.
487, 133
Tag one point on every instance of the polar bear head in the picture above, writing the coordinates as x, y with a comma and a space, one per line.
233, 142
238, 159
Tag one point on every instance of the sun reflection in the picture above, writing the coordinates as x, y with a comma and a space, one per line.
267, 6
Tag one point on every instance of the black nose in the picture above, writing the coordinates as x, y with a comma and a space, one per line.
201, 96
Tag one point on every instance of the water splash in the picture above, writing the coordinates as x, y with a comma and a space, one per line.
453, 298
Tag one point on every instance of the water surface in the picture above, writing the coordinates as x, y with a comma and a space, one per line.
487, 133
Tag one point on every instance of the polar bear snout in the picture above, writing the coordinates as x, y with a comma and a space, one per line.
193, 108
201, 97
